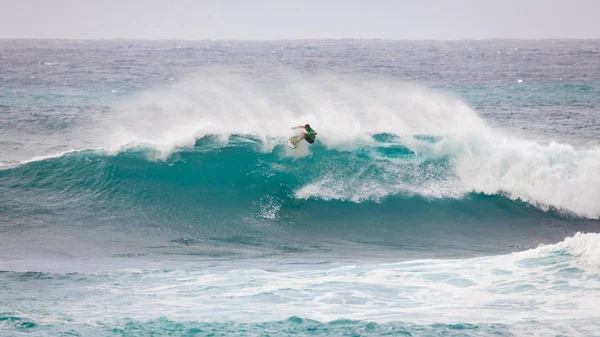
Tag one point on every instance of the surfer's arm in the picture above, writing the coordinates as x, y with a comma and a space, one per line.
297, 127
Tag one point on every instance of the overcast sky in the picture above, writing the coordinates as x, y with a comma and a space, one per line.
299, 19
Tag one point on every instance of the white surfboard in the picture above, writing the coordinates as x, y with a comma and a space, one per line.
291, 142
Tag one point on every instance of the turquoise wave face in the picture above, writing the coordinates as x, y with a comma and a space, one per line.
384, 194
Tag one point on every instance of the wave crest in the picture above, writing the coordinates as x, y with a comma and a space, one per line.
551, 177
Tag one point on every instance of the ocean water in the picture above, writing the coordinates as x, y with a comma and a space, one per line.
146, 188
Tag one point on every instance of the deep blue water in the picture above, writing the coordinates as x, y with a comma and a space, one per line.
146, 188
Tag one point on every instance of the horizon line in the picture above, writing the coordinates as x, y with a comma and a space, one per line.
302, 39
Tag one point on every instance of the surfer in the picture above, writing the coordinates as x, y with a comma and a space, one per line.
310, 136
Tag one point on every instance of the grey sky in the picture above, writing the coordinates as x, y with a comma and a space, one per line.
281, 19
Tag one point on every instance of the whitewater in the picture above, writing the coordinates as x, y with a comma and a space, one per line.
140, 197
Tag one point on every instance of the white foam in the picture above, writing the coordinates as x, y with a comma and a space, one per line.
585, 246
541, 284
552, 175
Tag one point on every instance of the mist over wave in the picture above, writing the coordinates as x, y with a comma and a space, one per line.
345, 110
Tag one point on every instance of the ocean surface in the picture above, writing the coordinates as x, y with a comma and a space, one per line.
146, 188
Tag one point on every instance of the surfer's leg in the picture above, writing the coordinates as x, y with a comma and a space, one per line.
300, 138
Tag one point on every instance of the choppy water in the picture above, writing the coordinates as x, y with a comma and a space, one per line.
146, 189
